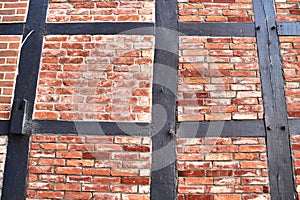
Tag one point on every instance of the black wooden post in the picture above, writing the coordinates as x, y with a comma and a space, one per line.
164, 174
15, 172
277, 132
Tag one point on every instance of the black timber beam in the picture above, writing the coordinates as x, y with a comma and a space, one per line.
238, 29
294, 126
249, 128
4, 126
275, 111
164, 94
11, 29
90, 128
100, 28
288, 28
15, 172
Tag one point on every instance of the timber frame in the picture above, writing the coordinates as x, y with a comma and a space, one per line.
276, 129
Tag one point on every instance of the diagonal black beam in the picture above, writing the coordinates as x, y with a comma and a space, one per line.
11, 29
249, 128
164, 94
15, 172
104, 28
90, 128
238, 29
288, 28
277, 131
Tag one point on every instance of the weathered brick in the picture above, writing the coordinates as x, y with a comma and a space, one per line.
234, 172
81, 78
224, 84
85, 167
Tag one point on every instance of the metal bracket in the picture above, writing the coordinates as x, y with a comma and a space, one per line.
20, 117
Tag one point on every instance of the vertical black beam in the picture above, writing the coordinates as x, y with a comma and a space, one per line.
277, 132
15, 172
163, 177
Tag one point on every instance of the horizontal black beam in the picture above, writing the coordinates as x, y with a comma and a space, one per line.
249, 128
104, 28
11, 29
237, 29
4, 127
90, 128
288, 28
294, 126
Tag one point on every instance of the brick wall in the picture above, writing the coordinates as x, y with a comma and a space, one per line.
9, 52
288, 10
3, 147
218, 79
13, 11
290, 53
224, 168
101, 10
85, 77
89, 167
295, 143
215, 11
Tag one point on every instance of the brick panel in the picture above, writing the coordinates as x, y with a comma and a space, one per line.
218, 79
295, 143
106, 78
290, 53
89, 167
223, 168
3, 148
101, 10
9, 52
13, 11
288, 10
215, 11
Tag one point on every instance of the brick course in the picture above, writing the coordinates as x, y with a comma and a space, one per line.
9, 52
288, 10
89, 167
105, 78
13, 11
101, 10
222, 168
218, 79
290, 53
295, 143
215, 11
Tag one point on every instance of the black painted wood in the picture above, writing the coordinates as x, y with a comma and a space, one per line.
11, 29
250, 128
105, 28
288, 28
164, 94
14, 180
15, 172
90, 128
294, 126
4, 127
278, 143
217, 29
